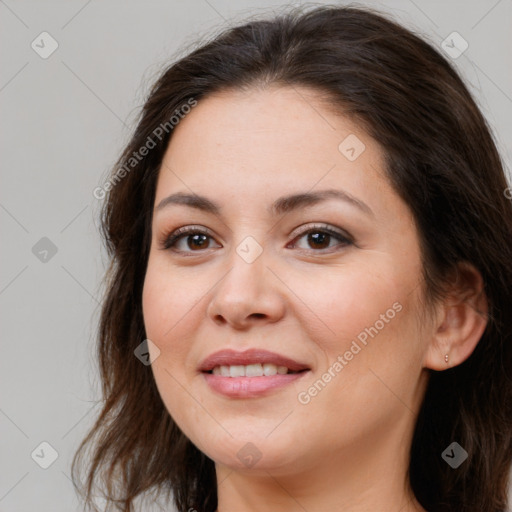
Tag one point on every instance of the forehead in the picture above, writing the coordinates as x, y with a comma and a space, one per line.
244, 124
257, 144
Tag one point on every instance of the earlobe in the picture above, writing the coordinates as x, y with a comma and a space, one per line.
461, 321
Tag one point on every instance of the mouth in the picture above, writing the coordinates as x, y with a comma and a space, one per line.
252, 370
250, 374
250, 363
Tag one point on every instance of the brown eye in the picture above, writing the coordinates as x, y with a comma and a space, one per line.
187, 240
322, 238
190, 240
199, 241
319, 240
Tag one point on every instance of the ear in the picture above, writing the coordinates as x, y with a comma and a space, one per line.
460, 321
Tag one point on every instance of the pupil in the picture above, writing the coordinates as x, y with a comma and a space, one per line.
196, 240
319, 239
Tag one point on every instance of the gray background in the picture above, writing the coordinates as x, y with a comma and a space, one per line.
64, 121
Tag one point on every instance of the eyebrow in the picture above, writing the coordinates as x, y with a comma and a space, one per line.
282, 205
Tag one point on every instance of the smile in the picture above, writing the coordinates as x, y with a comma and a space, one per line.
251, 370
251, 373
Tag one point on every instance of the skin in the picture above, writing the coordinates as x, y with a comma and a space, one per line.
347, 448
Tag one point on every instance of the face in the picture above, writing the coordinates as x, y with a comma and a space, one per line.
332, 283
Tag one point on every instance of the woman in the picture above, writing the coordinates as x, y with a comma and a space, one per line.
309, 302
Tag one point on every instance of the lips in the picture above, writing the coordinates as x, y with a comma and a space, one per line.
248, 357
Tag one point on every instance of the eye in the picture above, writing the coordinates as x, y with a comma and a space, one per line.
191, 238
319, 237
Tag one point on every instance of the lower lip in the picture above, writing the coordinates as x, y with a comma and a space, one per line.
250, 387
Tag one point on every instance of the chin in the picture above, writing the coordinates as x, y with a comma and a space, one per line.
252, 453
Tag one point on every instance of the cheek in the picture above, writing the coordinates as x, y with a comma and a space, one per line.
366, 331
166, 299
167, 318
371, 347
168, 313
357, 303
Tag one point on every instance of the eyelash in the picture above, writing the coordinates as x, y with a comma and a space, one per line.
170, 240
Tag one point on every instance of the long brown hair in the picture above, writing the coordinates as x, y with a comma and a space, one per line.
442, 161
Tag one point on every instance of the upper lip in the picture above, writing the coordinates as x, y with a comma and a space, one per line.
231, 357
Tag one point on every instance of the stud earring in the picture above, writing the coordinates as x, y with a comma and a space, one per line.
446, 357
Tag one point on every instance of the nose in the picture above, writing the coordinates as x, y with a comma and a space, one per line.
249, 294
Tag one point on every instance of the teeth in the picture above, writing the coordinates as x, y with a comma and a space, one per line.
237, 371
250, 370
270, 369
253, 370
